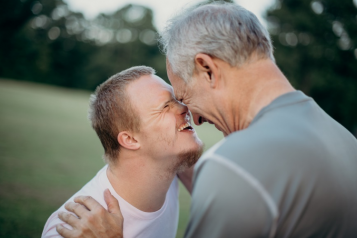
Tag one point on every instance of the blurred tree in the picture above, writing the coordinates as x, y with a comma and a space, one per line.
127, 38
13, 16
28, 50
315, 46
44, 41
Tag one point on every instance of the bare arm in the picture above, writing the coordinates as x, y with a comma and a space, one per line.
186, 178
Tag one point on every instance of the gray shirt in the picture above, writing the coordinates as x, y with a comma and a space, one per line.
291, 173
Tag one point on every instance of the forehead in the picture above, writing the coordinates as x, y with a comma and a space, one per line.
149, 91
177, 83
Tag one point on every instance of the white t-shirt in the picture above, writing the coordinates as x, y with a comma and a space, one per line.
160, 224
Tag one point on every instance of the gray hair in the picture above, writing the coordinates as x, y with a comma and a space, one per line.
223, 30
111, 112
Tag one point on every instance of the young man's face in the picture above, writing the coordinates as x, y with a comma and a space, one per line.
165, 127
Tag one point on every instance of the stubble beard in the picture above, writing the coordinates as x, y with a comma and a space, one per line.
184, 160
187, 159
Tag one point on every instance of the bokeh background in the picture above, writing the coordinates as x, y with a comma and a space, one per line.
52, 56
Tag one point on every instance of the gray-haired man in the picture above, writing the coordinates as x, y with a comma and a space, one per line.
285, 168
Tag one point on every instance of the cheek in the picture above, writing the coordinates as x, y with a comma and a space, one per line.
193, 104
200, 105
168, 125
193, 109
165, 129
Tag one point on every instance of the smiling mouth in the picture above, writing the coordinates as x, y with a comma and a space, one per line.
186, 126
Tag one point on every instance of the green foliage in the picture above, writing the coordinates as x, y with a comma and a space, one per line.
316, 47
47, 152
43, 41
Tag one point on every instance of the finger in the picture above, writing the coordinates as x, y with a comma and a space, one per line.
63, 231
68, 218
89, 202
112, 202
76, 208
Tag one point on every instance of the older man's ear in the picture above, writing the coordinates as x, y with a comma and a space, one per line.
127, 140
207, 69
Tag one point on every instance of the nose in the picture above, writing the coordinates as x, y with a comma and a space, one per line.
182, 109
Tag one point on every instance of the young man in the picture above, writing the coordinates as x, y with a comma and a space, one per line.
148, 139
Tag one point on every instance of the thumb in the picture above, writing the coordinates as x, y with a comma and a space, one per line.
112, 202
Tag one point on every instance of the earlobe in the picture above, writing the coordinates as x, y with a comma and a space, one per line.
128, 141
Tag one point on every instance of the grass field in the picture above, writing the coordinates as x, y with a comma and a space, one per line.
48, 151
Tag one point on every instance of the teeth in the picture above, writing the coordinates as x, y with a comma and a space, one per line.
187, 124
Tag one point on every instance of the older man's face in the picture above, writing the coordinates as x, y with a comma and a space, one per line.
196, 97
165, 130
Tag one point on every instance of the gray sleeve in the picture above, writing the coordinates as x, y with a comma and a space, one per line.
226, 205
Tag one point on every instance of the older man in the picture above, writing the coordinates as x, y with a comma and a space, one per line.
147, 138
285, 168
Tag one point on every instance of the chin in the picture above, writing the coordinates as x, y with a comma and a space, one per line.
189, 157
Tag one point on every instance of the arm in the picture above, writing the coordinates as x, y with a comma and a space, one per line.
94, 220
186, 178
225, 205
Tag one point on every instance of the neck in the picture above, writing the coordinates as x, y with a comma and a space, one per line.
257, 84
140, 182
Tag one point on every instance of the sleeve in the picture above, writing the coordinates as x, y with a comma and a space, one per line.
224, 204
50, 227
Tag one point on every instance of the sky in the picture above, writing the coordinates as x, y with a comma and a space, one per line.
163, 9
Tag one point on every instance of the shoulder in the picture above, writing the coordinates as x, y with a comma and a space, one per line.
270, 143
267, 158
50, 226
226, 200
218, 170
93, 188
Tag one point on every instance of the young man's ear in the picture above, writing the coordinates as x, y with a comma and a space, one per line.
128, 141
207, 69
